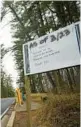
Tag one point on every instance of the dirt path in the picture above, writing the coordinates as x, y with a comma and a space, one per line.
21, 114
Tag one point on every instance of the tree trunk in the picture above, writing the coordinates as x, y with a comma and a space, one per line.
40, 82
32, 84
69, 79
50, 79
57, 81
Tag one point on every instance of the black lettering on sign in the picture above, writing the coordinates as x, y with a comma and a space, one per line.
57, 36
53, 38
32, 45
67, 32
44, 40
60, 35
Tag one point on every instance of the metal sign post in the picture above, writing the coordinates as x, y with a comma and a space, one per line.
28, 101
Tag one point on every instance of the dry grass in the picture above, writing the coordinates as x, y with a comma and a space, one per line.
37, 97
59, 111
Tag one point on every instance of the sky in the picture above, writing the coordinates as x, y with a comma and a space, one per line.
6, 39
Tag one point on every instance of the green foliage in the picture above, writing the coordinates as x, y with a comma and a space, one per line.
32, 19
6, 86
6, 80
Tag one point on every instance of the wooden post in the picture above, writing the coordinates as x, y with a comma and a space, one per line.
57, 81
28, 101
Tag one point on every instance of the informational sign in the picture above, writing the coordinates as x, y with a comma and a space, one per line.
56, 50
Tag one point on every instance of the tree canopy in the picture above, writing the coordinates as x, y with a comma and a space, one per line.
32, 19
7, 89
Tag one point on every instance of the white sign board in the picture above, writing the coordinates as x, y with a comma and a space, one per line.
56, 50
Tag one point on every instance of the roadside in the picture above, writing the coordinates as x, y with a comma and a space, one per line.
59, 111
5, 119
21, 114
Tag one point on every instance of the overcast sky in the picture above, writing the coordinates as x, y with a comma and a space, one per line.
6, 39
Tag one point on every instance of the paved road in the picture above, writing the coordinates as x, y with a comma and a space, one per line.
5, 103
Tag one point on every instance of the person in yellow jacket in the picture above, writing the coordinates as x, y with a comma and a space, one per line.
18, 96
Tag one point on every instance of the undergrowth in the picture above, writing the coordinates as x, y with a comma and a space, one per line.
59, 111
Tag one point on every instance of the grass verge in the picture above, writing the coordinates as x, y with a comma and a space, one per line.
59, 111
